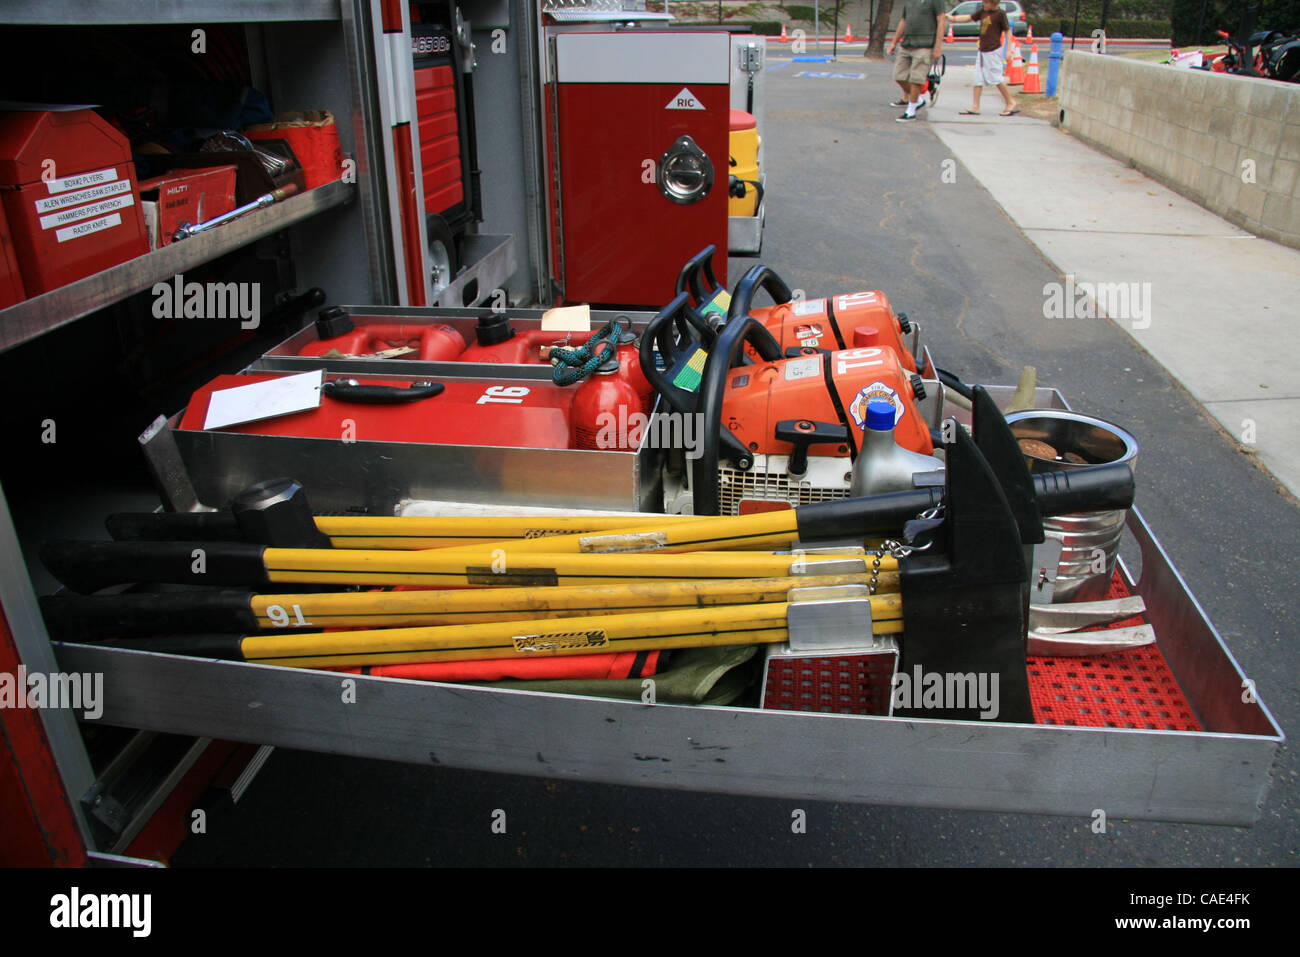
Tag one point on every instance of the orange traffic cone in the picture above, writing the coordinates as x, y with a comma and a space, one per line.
783, 38
1033, 83
1029, 37
950, 38
848, 33
1016, 71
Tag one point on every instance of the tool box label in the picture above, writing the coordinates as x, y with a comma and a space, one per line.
564, 641
81, 180
52, 203
88, 227
803, 368
631, 542
66, 216
523, 577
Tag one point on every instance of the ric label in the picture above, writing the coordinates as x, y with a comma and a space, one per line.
685, 100
877, 390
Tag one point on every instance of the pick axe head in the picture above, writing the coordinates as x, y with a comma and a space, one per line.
964, 620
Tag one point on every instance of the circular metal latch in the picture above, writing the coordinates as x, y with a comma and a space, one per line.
685, 172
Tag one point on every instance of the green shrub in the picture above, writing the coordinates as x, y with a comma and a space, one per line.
1226, 15
767, 28
1115, 29
1091, 9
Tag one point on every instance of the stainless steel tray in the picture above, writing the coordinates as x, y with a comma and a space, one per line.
1220, 775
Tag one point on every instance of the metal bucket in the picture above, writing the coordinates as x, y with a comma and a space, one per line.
1089, 540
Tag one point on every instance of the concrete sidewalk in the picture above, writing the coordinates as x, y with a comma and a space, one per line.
1215, 305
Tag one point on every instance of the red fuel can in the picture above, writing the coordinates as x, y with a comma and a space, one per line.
433, 343
70, 196
629, 364
602, 408
496, 340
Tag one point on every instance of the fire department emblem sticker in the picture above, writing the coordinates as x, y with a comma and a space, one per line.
877, 390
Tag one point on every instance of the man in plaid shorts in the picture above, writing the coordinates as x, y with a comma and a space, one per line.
919, 42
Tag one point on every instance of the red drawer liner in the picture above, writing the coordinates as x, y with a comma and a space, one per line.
1127, 689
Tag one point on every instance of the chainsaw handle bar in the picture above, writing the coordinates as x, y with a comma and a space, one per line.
742, 297
697, 277
659, 331
731, 340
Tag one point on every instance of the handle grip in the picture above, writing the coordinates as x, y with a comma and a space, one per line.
89, 566
1097, 488
81, 618
1094, 489
349, 390
225, 647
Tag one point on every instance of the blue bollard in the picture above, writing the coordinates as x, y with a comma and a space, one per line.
1054, 64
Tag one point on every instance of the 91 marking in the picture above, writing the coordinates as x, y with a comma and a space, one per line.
280, 618
512, 394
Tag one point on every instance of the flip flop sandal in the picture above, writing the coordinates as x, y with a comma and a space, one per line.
968, 112
1009, 113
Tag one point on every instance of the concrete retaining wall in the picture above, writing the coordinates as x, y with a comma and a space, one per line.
1203, 134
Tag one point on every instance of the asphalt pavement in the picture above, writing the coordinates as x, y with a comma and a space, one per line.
858, 201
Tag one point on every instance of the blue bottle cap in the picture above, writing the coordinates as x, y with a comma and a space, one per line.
880, 415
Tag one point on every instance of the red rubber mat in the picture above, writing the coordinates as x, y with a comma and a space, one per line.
1128, 689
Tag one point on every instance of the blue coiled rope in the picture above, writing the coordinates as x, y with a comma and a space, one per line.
574, 365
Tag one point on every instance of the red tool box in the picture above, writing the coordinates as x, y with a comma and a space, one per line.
187, 196
69, 194
465, 413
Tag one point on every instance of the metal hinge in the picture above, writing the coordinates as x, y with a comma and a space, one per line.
104, 808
